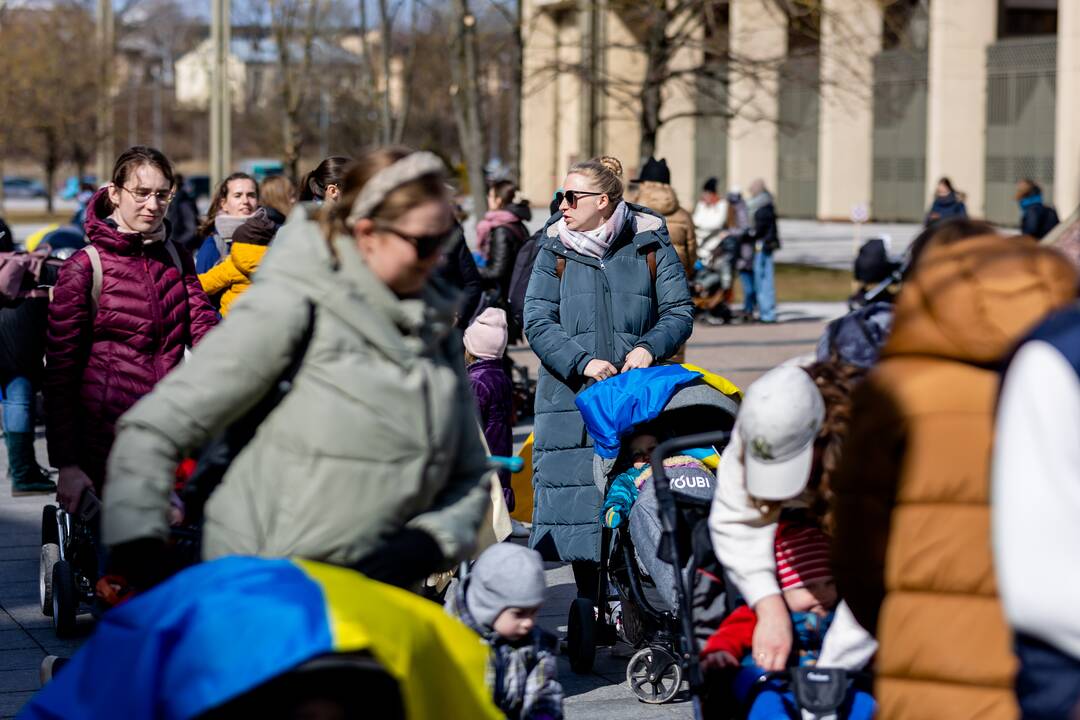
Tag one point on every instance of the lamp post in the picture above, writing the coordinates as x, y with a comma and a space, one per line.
220, 105
105, 39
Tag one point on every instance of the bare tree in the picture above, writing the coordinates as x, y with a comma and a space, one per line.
667, 33
380, 74
294, 25
465, 98
47, 105
510, 10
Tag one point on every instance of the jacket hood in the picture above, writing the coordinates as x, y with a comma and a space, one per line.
946, 200
102, 231
523, 212
657, 196
258, 230
973, 300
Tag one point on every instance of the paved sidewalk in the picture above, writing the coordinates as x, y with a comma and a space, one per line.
741, 352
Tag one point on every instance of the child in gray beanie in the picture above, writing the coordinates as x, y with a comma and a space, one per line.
500, 599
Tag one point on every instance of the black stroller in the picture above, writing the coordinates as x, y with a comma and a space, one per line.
663, 623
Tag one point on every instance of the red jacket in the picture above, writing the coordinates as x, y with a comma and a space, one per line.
97, 367
735, 635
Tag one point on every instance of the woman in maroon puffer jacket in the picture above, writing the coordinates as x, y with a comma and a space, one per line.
99, 365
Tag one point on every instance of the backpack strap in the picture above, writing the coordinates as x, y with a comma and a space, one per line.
651, 260
97, 277
175, 256
560, 266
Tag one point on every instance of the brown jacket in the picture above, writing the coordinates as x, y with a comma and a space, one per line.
661, 198
912, 540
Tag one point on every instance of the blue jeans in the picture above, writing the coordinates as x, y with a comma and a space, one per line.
17, 397
1048, 684
764, 287
749, 298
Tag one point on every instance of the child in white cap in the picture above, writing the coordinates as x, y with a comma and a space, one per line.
500, 599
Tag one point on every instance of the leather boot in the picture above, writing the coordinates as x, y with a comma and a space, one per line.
27, 477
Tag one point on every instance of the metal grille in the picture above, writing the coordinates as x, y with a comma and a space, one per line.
1021, 80
899, 135
797, 169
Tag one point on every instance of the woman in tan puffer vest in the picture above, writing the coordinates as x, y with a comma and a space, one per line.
912, 548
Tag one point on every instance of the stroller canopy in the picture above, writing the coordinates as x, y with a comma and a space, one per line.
613, 407
223, 628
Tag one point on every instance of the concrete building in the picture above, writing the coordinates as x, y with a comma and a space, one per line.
253, 70
854, 108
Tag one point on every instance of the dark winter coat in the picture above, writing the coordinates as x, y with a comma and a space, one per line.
519, 284
1036, 219
764, 229
524, 676
945, 208
493, 390
183, 217
22, 338
99, 366
458, 270
504, 243
598, 309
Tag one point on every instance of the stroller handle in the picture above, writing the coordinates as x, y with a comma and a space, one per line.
500, 462
668, 521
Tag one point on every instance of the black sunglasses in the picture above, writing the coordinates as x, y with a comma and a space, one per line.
426, 245
572, 196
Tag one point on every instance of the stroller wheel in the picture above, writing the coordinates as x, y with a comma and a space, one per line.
581, 636
50, 533
654, 675
50, 554
65, 600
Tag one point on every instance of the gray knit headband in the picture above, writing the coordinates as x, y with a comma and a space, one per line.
411, 167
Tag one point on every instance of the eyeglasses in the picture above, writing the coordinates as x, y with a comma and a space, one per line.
426, 245
572, 196
164, 197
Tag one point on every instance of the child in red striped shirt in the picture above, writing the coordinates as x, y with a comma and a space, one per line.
802, 567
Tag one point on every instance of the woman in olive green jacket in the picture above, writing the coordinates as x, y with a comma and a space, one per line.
371, 460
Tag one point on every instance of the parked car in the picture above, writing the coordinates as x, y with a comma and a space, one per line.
261, 168
20, 187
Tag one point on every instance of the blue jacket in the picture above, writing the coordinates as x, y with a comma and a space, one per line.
621, 497
1036, 218
944, 208
209, 254
599, 309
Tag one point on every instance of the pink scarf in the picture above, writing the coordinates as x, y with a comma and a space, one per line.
492, 219
595, 243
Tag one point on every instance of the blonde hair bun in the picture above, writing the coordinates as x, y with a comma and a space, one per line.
612, 164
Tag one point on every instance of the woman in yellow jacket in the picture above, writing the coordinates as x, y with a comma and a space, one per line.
227, 281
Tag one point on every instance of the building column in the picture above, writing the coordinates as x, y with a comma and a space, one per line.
758, 38
550, 100
850, 38
1066, 131
676, 139
960, 31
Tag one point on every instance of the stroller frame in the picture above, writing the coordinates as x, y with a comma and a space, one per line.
590, 623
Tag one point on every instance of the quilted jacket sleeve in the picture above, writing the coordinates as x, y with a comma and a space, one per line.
201, 314
67, 348
674, 307
559, 353
864, 489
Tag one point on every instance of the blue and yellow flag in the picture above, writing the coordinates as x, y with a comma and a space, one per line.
220, 629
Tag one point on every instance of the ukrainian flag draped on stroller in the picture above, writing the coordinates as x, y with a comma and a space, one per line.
238, 633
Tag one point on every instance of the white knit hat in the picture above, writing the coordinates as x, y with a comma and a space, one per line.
485, 338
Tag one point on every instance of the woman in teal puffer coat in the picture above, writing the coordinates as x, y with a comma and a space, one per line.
607, 294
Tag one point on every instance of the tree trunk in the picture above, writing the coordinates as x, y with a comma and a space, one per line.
292, 142
517, 57
385, 40
51, 161
467, 99
658, 55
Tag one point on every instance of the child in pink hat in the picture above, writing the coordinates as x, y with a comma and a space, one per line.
485, 348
